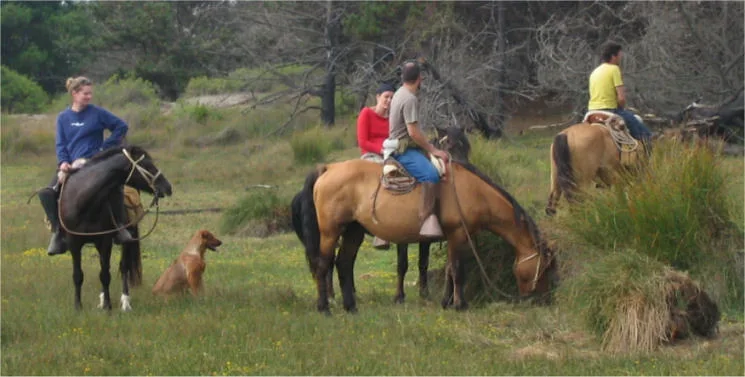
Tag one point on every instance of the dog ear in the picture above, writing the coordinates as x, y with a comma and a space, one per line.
206, 234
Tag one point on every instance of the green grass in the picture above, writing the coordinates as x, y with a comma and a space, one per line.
257, 316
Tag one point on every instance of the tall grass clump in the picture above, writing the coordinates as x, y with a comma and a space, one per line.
677, 212
259, 214
312, 145
620, 300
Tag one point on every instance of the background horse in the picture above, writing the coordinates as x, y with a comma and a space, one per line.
85, 213
586, 153
337, 202
451, 139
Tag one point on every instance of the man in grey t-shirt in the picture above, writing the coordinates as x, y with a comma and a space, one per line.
404, 125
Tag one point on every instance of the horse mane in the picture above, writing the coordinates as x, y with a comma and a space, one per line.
520, 213
134, 150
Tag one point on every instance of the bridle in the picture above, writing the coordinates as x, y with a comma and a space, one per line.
149, 178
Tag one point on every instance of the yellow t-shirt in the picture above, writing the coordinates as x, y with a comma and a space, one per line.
603, 82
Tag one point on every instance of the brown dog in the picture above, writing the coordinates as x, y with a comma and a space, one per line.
186, 271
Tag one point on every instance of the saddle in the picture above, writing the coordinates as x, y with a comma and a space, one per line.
398, 180
618, 131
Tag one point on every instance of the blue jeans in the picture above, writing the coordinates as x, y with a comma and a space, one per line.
418, 165
636, 128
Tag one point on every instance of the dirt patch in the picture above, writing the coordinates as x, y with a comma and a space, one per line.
222, 100
535, 351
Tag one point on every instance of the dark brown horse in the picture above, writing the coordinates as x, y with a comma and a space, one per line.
588, 153
337, 202
85, 214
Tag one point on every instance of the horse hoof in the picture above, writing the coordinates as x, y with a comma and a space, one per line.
463, 306
398, 300
550, 211
352, 310
446, 302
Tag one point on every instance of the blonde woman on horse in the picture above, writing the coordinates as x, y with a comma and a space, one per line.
409, 146
79, 135
608, 93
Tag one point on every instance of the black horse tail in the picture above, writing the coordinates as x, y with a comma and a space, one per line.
296, 211
562, 159
131, 261
309, 232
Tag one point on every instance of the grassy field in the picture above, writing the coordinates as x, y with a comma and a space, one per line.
257, 316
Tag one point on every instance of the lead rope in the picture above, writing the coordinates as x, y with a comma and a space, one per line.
484, 275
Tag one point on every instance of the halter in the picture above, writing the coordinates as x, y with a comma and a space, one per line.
149, 178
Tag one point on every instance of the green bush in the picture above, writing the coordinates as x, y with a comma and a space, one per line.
19, 93
312, 146
259, 214
118, 92
199, 86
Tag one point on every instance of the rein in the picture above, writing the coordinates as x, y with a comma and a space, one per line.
149, 178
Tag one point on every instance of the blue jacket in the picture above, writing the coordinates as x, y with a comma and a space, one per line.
80, 134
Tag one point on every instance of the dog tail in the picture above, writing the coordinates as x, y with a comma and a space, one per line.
130, 265
562, 158
310, 233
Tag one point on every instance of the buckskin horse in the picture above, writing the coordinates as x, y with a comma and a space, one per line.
593, 151
451, 139
86, 217
337, 202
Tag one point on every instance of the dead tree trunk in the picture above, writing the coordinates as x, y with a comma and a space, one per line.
333, 39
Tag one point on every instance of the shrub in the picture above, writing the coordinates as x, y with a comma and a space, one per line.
312, 146
118, 92
676, 212
19, 93
259, 214
199, 86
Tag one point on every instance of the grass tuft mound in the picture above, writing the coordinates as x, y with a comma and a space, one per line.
635, 303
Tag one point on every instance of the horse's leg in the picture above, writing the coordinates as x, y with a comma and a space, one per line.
323, 266
457, 270
104, 257
423, 267
351, 242
77, 272
555, 191
330, 280
447, 298
402, 266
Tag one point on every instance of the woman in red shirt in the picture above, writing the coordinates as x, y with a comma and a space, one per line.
372, 124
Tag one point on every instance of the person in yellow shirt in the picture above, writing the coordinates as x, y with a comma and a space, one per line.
607, 91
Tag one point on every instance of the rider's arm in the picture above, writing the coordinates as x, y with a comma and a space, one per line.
419, 138
621, 96
117, 127
363, 132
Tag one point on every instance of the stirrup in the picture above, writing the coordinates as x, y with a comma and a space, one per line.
431, 227
123, 236
56, 244
381, 244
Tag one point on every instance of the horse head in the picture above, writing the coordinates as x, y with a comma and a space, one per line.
144, 175
454, 141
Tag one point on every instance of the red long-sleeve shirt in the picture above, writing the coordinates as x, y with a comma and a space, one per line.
372, 130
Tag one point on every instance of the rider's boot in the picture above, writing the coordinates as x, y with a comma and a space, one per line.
120, 216
430, 224
48, 198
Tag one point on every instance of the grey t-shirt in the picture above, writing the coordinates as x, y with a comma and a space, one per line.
404, 110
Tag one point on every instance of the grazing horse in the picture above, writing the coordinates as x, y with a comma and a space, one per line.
85, 212
451, 139
336, 201
590, 152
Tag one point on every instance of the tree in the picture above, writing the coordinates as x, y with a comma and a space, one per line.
47, 41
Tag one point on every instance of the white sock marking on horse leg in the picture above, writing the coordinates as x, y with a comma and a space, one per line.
100, 300
125, 303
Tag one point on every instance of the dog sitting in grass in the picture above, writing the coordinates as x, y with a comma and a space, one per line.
186, 271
